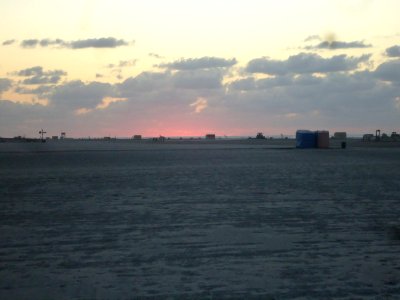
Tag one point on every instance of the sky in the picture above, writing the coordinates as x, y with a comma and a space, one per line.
94, 68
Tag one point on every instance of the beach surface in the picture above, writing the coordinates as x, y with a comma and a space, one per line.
199, 219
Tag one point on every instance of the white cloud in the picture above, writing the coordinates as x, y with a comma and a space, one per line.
397, 102
199, 105
107, 101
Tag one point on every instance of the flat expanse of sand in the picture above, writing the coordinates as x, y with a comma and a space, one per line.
126, 145
198, 220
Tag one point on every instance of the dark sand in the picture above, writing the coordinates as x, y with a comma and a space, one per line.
186, 219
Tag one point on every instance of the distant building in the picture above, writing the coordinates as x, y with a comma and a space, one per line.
260, 136
395, 136
340, 135
54, 137
63, 135
210, 136
368, 137
137, 137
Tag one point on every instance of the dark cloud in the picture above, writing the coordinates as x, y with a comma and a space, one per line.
32, 43
199, 63
46, 79
244, 84
109, 42
76, 94
250, 83
389, 71
156, 100
19, 118
41, 90
198, 79
5, 84
145, 82
34, 71
38, 71
99, 75
8, 42
333, 45
393, 51
305, 63
39, 76
48, 42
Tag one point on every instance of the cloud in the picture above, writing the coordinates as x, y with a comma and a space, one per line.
305, 63
123, 64
53, 79
76, 94
34, 71
31, 43
48, 42
198, 79
155, 55
39, 76
389, 71
312, 38
197, 101
8, 42
41, 90
199, 63
5, 84
109, 42
244, 84
145, 82
199, 105
393, 51
107, 101
333, 45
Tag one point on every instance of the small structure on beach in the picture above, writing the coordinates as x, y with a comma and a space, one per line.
137, 137
42, 133
210, 136
340, 135
367, 137
322, 139
306, 139
312, 139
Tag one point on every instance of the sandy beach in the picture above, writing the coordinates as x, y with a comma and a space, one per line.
195, 220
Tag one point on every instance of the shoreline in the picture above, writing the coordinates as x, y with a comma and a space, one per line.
175, 144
